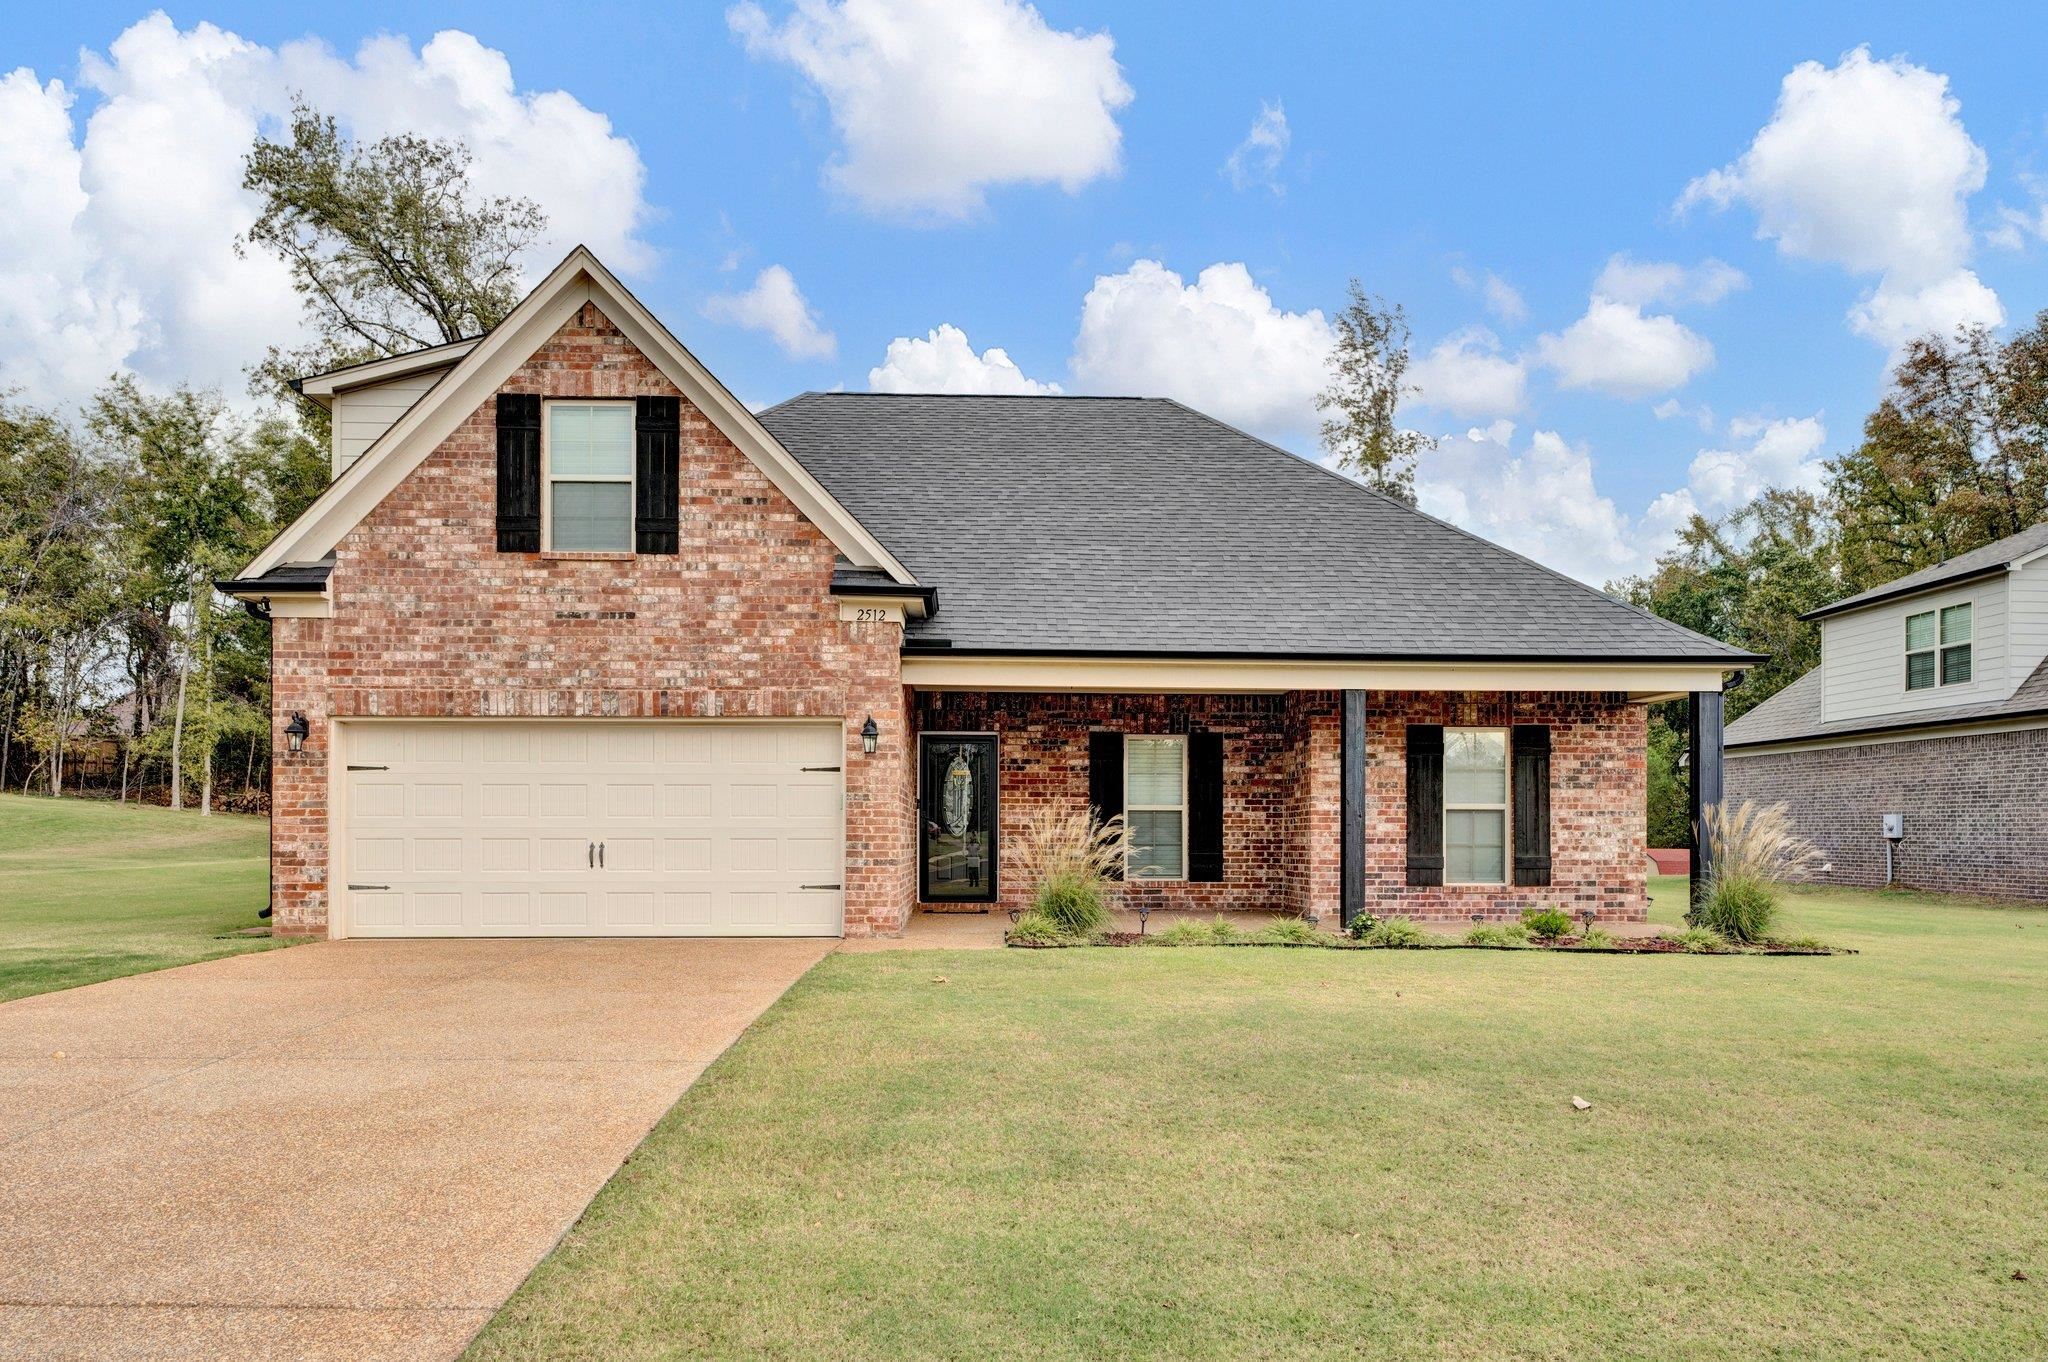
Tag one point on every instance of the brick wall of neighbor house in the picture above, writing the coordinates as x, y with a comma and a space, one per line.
1976, 808
1282, 764
430, 620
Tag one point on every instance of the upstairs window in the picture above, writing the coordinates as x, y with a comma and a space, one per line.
1938, 648
589, 463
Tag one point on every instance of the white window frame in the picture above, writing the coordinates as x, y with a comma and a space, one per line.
1506, 806
1938, 648
547, 475
1130, 874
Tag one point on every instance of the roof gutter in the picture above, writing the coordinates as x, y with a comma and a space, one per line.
1727, 661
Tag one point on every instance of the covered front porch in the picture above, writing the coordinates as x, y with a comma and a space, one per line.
1446, 806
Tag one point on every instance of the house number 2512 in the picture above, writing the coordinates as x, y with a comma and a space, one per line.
870, 614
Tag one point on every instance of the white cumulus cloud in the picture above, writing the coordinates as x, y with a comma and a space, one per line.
775, 307
937, 101
944, 362
1257, 159
1617, 349
1501, 298
1467, 376
1220, 344
1866, 165
1645, 283
120, 251
1780, 453
1539, 499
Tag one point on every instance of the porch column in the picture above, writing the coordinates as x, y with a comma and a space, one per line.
1704, 788
1351, 809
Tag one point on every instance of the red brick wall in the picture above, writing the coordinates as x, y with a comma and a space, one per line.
1597, 791
1282, 767
1976, 817
430, 619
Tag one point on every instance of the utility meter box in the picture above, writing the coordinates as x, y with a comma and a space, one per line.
1895, 827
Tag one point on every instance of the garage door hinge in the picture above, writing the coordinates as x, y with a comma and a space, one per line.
820, 886
819, 768
369, 886
369, 768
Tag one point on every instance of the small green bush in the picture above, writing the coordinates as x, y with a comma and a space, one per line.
1798, 943
1396, 931
1516, 936
1075, 902
1547, 924
1290, 931
1362, 926
1188, 932
1702, 941
1739, 907
1596, 939
1042, 929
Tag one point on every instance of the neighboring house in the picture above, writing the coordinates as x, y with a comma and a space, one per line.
1930, 702
579, 645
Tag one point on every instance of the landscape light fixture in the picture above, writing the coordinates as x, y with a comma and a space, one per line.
295, 732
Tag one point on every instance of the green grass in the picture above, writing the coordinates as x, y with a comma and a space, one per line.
1262, 1154
91, 890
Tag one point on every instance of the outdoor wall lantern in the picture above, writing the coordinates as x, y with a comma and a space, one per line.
295, 732
869, 736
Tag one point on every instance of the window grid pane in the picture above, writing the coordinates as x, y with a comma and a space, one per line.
1155, 844
1920, 631
1475, 846
1955, 665
1919, 671
1475, 767
591, 516
1955, 624
590, 440
1153, 772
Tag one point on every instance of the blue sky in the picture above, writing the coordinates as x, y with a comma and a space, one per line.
898, 167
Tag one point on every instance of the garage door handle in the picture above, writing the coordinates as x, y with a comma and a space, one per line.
600, 855
818, 768
369, 886
590, 854
820, 886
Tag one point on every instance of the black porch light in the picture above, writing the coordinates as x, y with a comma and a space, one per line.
869, 736
295, 732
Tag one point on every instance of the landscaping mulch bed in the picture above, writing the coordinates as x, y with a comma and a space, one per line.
1637, 945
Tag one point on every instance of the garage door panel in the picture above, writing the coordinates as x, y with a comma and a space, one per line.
708, 828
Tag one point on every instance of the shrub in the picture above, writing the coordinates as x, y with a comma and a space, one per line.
1755, 851
1516, 936
1547, 924
1396, 931
1290, 931
1361, 926
1596, 939
1040, 929
1077, 904
1701, 941
1188, 932
1737, 907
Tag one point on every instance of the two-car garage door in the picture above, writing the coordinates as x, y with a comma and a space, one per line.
592, 828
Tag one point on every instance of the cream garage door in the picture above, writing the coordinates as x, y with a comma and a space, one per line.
592, 827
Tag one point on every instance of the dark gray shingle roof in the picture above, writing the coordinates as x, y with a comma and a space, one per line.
1793, 714
1135, 525
1977, 562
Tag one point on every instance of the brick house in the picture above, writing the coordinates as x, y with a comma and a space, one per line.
576, 644
1930, 704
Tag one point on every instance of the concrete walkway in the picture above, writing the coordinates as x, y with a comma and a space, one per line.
354, 1149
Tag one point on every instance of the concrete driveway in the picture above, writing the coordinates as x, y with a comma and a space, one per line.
352, 1149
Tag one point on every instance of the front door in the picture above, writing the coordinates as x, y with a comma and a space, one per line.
957, 817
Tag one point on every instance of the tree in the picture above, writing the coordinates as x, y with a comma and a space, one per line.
1745, 580
1369, 378
388, 245
1669, 815
1954, 457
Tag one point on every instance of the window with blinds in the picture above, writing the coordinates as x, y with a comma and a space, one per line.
1156, 808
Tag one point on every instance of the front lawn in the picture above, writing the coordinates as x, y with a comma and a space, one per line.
91, 890
1272, 1153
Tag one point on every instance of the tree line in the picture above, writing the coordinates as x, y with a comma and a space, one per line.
121, 669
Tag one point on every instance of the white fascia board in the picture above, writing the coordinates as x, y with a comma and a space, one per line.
1642, 682
321, 388
579, 279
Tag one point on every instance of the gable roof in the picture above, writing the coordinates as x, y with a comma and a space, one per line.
320, 389
1139, 526
1793, 714
1990, 560
481, 369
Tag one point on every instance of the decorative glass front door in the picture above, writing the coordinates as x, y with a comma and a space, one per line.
957, 817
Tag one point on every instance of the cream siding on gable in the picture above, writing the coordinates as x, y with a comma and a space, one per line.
1863, 656
2027, 615
363, 414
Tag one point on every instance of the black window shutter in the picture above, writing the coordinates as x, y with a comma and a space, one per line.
1531, 795
1205, 807
519, 472
657, 443
1425, 804
1106, 777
